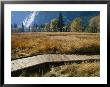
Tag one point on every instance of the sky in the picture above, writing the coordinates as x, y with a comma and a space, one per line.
43, 17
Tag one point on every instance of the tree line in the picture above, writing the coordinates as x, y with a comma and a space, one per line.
57, 25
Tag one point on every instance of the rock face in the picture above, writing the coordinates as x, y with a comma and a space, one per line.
40, 59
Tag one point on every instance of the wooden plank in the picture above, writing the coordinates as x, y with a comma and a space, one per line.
35, 60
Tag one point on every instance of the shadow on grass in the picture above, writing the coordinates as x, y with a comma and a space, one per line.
91, 50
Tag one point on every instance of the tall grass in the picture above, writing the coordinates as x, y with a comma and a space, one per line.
31, 44
84, 69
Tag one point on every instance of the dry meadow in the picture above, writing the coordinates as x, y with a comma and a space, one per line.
32, 44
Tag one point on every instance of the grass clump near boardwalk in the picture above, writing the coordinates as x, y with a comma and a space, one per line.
76, 70
83, 69
32, 44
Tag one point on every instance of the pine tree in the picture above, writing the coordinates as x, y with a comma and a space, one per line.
22, 30
11, 25
60, 24
15, 25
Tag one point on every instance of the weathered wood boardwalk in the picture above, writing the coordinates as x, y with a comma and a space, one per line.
35, 60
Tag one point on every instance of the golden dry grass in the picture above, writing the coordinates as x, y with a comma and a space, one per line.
84, 69
75, 70
30, 44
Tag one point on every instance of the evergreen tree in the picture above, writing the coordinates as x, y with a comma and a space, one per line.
42, 27
34, 28
11, 25
15, 25
60, 24
22, 29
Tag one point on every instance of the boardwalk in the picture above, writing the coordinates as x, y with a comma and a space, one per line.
35, 60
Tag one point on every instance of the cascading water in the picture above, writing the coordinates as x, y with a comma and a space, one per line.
27, 23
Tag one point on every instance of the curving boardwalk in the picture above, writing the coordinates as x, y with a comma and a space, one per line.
40, 59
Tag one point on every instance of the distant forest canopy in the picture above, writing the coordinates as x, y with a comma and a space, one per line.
78, 24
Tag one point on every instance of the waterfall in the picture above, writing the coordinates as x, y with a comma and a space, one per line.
27, 23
